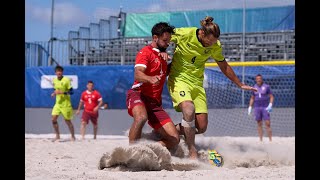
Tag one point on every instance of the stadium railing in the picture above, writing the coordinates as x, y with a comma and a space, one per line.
259, 46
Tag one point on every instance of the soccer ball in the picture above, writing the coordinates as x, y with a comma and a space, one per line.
215, 158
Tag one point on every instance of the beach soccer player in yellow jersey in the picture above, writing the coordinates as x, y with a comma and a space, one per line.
62, 90
185, 82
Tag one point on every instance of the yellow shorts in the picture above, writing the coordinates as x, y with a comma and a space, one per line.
67, 112
180, 91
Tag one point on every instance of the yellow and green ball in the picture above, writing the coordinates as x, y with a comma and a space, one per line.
215, 158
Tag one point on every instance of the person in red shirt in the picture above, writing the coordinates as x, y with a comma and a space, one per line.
144, 100
92, 101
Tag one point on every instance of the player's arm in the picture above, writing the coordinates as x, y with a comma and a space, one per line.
251, 100
70, 89
140, 76
271, 98
105, 106
79, 106
54, 92
142, 61
224, 66
250, 104
269, 108
99, 104
228, 71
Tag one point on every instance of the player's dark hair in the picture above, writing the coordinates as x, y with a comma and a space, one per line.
162, 27
90, 82
258, 75
209, 27
58, 67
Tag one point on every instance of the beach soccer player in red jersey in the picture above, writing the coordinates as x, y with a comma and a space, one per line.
92, 101
144, 100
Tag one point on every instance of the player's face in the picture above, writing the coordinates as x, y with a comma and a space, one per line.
58, 73
208, 40
259, 80
90, 86
163, 41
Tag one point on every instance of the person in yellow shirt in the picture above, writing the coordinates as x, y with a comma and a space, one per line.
62, 90
185, 82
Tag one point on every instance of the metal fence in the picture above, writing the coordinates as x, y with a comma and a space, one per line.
259, 46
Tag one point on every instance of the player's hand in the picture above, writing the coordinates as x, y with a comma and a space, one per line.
77, 112
105, 106
269, 108
249, 110
164, 56
155, 79
246, 87
58, 92
53, 94
95, 109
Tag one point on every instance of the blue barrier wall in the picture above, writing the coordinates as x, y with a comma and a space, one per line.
111, 81
114, 81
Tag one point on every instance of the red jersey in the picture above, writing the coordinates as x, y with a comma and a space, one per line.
90, 99
149, 58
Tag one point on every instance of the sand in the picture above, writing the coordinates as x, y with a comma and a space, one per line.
244, 158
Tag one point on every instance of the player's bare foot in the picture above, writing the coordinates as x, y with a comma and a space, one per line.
73, 138
193, 154
57, 138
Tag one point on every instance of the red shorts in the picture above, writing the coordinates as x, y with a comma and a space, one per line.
93, 116
157, 117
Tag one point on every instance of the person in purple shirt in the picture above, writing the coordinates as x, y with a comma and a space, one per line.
262, 101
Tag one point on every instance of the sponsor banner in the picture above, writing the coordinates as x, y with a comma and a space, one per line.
47, 81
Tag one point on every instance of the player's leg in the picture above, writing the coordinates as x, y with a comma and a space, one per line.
188, 124
95, 131
200, 107
260, 129
139, 119
160, 121
84, 121
268, 129
258, 117
266, 117
201, 122
55, 126
176, 100
182, 102
83, 129
71, 129
55, 114
179, 129
67, 113
137, 110
94, 120
169, 135
200, 102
